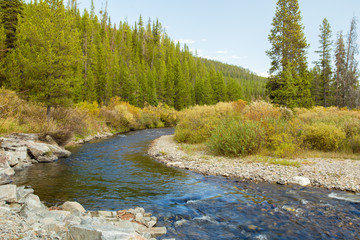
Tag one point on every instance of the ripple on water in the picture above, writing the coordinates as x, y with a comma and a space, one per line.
116, 173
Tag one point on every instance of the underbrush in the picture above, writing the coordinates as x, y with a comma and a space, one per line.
79, 121
241, 129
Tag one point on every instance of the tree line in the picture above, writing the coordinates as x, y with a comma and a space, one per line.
292, 83
54, 54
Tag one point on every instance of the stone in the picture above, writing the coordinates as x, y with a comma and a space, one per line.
104, 214
4, 162
151, 224
73, 207
139, 217
175, 164
38, 149
9, 171
4, 179
81, 232
47, 158
302, 181
155, 231
16, 155
59, 152
23, 193
8, 193
139, 210
90, 232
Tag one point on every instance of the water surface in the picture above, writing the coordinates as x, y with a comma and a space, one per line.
117, 173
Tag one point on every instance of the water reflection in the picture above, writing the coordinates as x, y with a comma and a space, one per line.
116, 174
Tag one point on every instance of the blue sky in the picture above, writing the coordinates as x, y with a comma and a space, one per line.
231, 31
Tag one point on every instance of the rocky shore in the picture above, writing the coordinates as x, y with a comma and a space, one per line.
18, 151
23, 216
327, 173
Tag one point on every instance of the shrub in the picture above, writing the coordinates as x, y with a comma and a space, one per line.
323, 137
283, 145
352, 128
235, 137
239, 105
260, 110
197, 123
355, 143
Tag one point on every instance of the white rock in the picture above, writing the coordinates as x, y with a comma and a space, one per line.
8, 193
9, 171
302, 181
73, 207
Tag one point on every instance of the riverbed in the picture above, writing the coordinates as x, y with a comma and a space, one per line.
117, 173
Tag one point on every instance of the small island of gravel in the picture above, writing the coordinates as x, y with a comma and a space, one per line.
327, 173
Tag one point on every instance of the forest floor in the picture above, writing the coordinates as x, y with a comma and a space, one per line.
340, 174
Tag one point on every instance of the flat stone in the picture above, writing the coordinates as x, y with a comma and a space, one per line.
302, 181
73, 207
59, 152
155, 231
139, 217
8, 193
4, 162
90, 232
38, 149
151, 224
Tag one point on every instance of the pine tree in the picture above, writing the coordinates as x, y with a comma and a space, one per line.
9, 12
289, 83
351, 75
324, 63
340, 70
48, 59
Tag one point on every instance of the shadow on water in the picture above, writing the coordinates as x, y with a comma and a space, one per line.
117, 173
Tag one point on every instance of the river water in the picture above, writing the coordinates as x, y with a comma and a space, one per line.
116, 173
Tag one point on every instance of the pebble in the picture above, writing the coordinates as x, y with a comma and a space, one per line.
317, 172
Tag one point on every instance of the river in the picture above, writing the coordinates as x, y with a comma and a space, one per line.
116, 173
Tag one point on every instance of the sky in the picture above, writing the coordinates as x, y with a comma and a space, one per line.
231, 31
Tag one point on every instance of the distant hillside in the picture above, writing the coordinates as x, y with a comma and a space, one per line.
78, 57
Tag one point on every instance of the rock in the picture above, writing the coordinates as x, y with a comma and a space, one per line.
139, 217
9, 171
4, 179
302, 181
16, 155
59, 152
175, 164
89, 232
8, 193
23, 193
47, 158
73, 207
81, 232
151, 224
104, 214
4, 162
38, 149
155, 231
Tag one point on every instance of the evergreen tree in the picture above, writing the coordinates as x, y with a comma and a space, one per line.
340, 70
324, 64
48, 59
351, 75
290, 81
9, 12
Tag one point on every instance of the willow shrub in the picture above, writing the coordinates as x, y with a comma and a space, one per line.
235, 137
197, 123
323, 137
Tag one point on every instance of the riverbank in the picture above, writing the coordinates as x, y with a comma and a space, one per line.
327, 173
23, 215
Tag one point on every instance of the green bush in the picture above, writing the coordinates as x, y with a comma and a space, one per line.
195, 130
235, 137
283, 145
352, 128
355, 143
323, 137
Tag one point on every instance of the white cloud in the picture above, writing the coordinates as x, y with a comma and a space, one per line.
221, 52
185, 41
